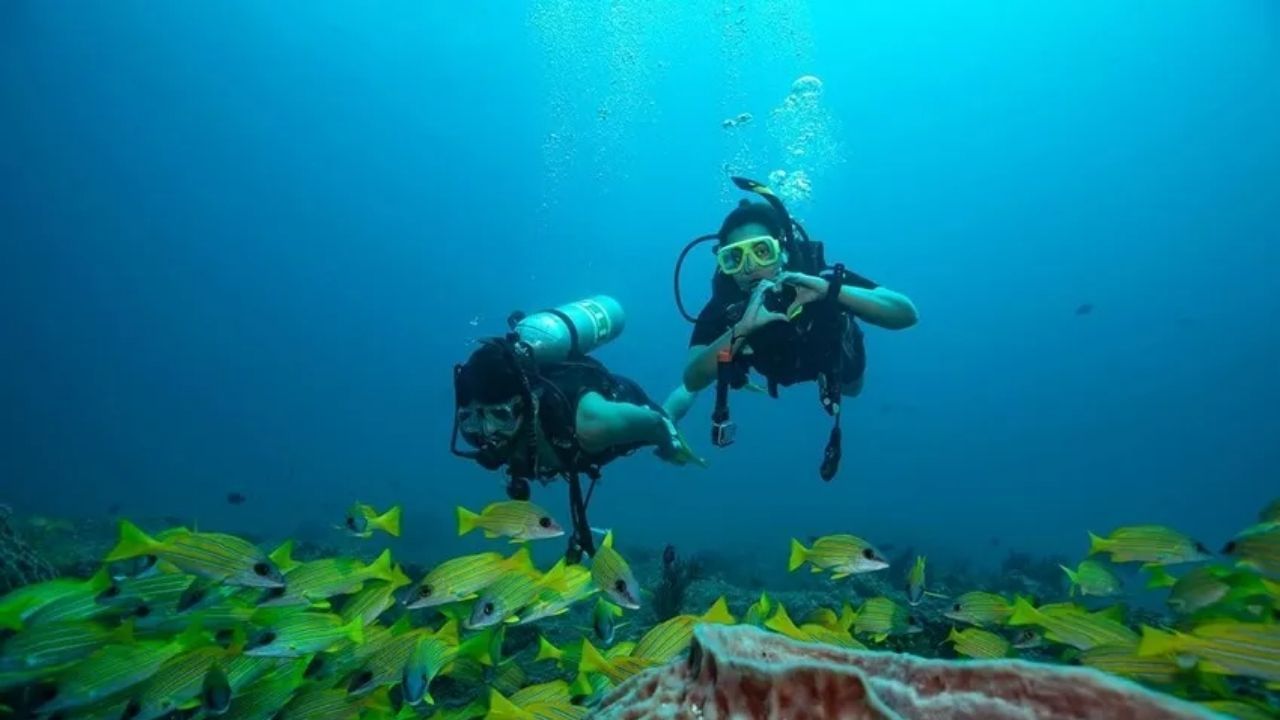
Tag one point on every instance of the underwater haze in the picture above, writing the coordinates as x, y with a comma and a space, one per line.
245, 243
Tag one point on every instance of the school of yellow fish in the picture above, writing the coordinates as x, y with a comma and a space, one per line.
199, 624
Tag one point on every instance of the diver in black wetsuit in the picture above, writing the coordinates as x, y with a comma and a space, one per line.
779, 309
533, 403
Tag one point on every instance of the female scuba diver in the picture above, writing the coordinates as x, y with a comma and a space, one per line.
534, 403
778, 308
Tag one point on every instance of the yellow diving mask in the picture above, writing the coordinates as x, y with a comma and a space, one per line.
763, 251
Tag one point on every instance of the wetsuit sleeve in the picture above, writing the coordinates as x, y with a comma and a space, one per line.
711, 324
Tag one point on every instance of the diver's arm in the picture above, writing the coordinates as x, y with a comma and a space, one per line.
603, 423
679, 402
880, 306
704, 361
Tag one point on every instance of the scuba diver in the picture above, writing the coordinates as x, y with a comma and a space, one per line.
778, 308
534, 403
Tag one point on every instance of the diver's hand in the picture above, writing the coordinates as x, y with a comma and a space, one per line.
756, 314
675, 449
808, 288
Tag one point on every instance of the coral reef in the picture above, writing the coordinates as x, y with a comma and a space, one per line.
742, 672
19, 563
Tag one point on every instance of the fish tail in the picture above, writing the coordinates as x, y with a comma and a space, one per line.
1159, 577
354, 630
466, 521
477, 647
592, 660
798, 555
388, 522
581, 685
133, 542
1157, 642
1098, 545
719, 613
500, 708
1073, 577
521, 559
1024, 613
283, 556
381, 568
547, 651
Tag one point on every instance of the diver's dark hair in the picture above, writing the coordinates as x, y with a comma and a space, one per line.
489, 376
747, 212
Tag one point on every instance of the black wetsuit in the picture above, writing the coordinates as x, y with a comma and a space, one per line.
791, 352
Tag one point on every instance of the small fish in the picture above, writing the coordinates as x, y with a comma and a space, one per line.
1027, 639
556, 691
1203, 587
979, 644
301, 633
433, 653
603, 620
113, 669
519, 520
613, 576
759, 611
1123, 660
616, 669
235, 498
463, 577
1152, 544
315, 702
1226, 647
843, 555
24, 602
321, 579
508, 677
672, 636
881, 617
915, 582
838, 635
375, 599
177, 682
980, 608
218, 557
362, 520
501, 601
1270, 513
572, 584
1092, 578
1258, 548
1084, 308
263, 698
57, 643
386, 665
1073, 626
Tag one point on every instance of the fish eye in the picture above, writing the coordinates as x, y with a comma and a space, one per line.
620, 585
261, 569
1229, 547
955, 608
266, 637
424, 591
142, 611
488, 608
869, 554
544, 522
131, 710
224, 636
112, 591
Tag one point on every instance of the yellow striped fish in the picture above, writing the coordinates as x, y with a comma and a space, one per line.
1227, 647
979, 644
843, 555
671, 637
519, 520
1153, 544
463, 577
1258, 548
612, 575
57, 643
218, 557
1074, 627
980, 608
1124, 660
176, 683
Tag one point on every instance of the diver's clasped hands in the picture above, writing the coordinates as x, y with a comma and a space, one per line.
807, 289
676, 449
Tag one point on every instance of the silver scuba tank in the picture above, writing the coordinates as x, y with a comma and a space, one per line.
552, 333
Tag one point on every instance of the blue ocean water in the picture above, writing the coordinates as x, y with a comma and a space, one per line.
243, 245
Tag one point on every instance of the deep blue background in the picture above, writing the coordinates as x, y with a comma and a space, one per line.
241, 245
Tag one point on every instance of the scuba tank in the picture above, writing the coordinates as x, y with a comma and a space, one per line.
570, 330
